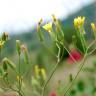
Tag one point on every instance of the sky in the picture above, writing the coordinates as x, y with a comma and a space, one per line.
21, 15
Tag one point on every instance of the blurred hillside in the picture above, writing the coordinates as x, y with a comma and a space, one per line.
31, 40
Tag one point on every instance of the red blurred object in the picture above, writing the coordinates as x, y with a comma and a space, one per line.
75, 54
53, 94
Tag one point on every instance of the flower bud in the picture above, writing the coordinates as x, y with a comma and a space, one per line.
18, 46
94, 29
5, 67
19, 78
37, 70
43, 73
25, 51
5, 36
6, 62
40, 22
40, 34
54, 18
1, 44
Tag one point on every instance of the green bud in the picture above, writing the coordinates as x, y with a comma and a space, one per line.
5, 67
25, 51
6, 61
18, 46
70, 77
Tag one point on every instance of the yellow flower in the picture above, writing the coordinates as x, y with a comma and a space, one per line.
48, 27
79, 21
43, 72
93, 26
19, 78
94, 29
37, 70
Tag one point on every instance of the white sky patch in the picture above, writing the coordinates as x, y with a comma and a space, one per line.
20, 15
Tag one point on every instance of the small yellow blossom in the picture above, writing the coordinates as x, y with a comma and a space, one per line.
43, 72
19, 78
48, 27
37, 70
79, 21
94, 29
93, 26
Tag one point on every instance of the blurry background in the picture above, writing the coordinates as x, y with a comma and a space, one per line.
20, 17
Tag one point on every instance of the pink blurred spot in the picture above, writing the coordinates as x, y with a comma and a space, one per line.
53, 94
75, 54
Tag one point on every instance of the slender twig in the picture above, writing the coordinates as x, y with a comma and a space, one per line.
92, 51
19, 75
10, 87
76, 74
53, 71
86, 54
43, 44
71, 55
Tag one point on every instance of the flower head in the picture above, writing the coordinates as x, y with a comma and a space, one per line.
93, 26
79, 21
94, 29
48, 27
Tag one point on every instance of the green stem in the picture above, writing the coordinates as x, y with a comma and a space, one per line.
80, 67
19, 76
53, 71
83, 43
76, 74
71, 55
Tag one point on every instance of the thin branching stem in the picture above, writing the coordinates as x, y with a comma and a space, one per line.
71, 55
82, 64
19, 76
53, 71
76, 74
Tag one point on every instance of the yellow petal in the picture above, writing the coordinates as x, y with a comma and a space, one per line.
48, 27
